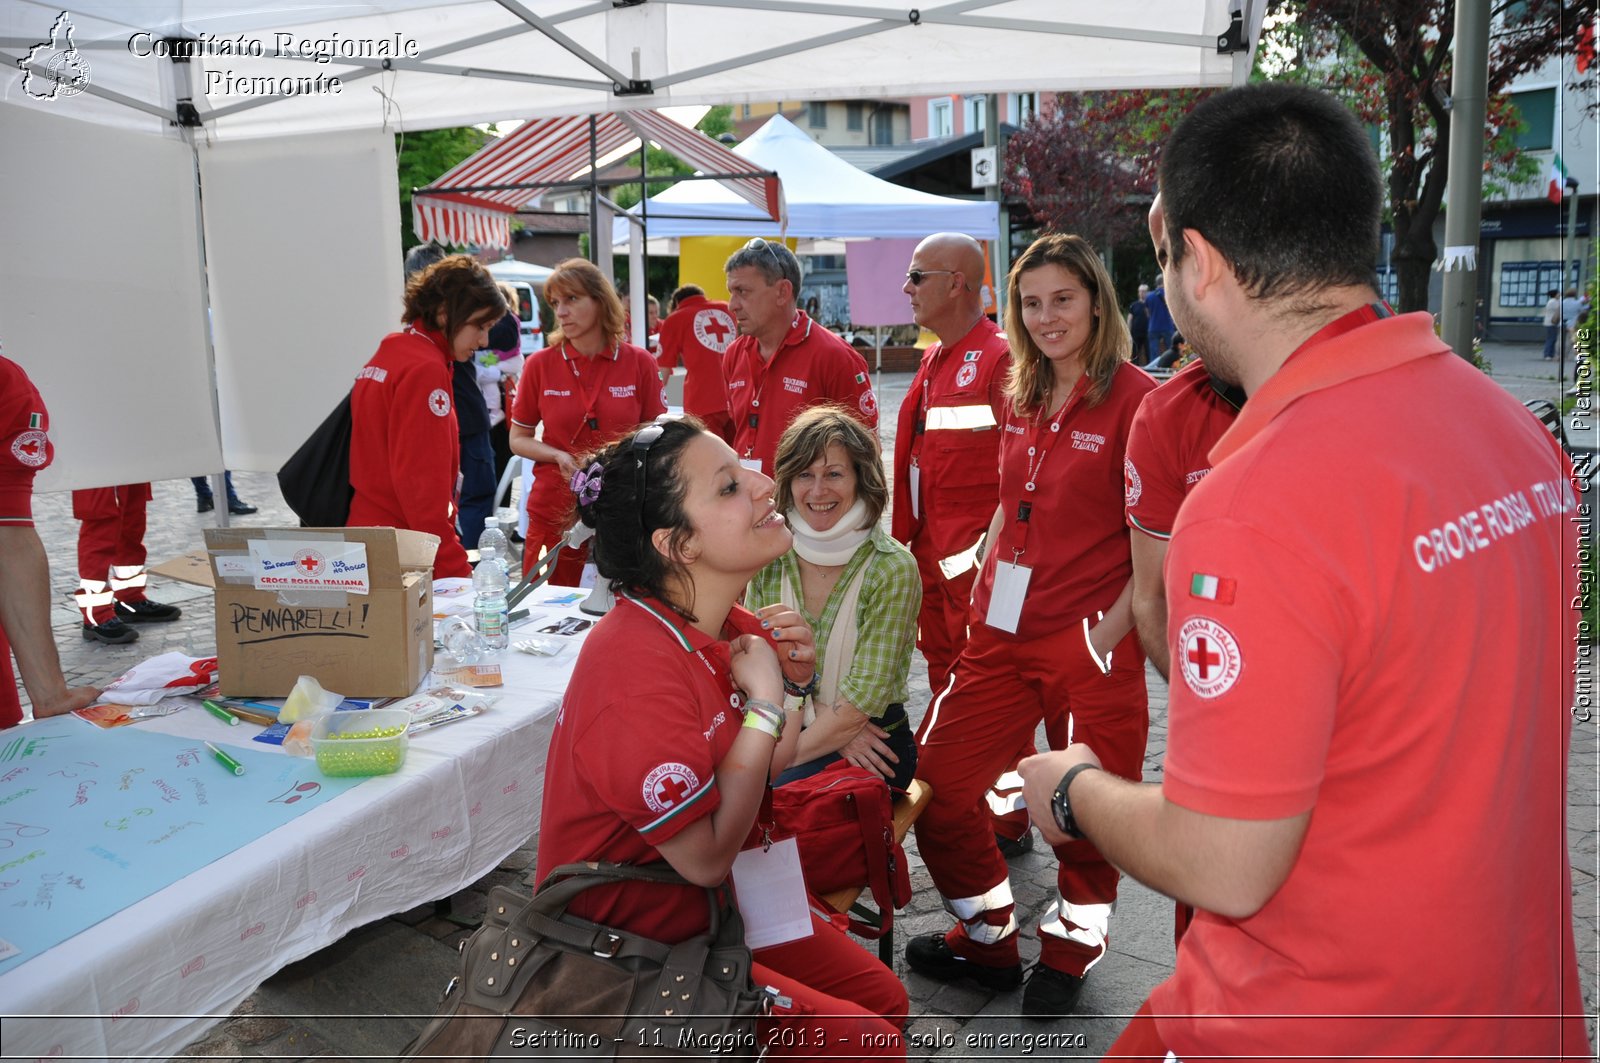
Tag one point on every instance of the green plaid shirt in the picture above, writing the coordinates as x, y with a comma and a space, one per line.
886, 618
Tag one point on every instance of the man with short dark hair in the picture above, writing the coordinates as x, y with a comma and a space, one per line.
782, 361
1364, 762
696, 334
1552, 324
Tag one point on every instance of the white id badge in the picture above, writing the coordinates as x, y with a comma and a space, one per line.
590, 574
751, 463
916, 491
1005, 601
772, 894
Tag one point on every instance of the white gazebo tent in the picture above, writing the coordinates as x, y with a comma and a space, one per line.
826, 197
172, 331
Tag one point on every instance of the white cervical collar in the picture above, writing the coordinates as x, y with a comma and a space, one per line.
834, 546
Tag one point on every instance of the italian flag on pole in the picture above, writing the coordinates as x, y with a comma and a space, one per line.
1558, 179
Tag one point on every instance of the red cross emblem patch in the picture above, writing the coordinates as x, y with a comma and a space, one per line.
309, 563
439, 402
714, 329
1132, 486
30, 448
668, 786
1209, 656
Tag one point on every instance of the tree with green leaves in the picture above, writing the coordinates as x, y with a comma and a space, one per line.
1391, 62
421, 158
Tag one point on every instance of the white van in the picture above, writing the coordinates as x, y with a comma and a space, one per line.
528, 317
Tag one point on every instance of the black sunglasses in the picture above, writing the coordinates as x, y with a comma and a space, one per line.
762, 245
917, 276
643, 440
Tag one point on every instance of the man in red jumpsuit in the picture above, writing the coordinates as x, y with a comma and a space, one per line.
782, 361
1372, 651
947, 468
25, 448
111, 554
696, 335
946, 446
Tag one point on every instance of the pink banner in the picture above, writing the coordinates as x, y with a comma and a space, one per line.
876, 271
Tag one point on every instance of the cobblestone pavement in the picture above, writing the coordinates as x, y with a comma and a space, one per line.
368, 994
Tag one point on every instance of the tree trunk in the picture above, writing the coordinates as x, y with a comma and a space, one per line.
1413, 260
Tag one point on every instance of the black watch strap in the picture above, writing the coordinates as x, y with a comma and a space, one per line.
1061, 807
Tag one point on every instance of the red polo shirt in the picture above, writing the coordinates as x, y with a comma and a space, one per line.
405, 456
1370, 622
584, 404
25, 448
1074, 538
697, 334
949, 427
25, 445
1169, 447
812, 365
649, 714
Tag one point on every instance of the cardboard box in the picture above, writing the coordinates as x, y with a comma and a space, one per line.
351, 606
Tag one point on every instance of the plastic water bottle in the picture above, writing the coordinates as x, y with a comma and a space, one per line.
489, 606
461, 642
495, 539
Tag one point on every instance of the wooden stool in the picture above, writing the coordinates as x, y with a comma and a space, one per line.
907, 807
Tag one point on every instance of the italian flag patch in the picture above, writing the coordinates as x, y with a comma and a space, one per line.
1212, 588
35, 421
861, 378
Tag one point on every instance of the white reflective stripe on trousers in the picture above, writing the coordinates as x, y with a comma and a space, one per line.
125, 576
1005, 794
1090, 924
970, 911
960, 418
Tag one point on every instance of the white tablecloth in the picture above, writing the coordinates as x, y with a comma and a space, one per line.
154, 977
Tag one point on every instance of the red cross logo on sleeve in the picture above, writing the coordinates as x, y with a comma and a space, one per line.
714, 329
29, 448
439, 402
668, 786
1209, 656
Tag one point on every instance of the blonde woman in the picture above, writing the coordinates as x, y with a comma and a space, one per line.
1052, 632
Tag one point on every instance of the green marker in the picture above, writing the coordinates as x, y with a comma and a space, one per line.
225, 760
220, 713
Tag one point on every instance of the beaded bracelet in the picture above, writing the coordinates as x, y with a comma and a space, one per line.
795, 690
765, 717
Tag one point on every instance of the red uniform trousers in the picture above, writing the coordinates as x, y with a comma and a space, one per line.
845, 1004
551, 511
10, 701
1003, 688
942, 622
111, 535
941, 636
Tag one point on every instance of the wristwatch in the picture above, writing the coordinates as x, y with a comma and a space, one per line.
1061, 807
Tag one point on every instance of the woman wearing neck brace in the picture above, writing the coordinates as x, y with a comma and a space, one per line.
856, 586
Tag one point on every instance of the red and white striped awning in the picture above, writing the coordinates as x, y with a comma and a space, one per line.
548, 151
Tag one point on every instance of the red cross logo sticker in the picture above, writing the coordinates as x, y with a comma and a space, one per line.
1209, 656
439, 402
309, 563
668, 786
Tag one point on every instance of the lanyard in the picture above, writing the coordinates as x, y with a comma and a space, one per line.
755, 401
1040, 444
590, 398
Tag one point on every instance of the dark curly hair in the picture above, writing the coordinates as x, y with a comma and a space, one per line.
460, 286
622, 549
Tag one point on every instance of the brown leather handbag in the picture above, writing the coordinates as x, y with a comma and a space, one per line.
537, 981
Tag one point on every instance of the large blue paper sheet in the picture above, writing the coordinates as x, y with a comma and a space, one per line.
93, 820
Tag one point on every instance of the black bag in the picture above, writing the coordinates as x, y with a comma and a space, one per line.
316, 479
536, 981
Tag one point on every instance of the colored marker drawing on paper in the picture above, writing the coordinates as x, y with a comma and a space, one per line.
93, 820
